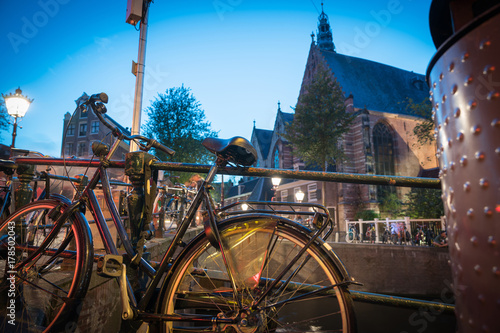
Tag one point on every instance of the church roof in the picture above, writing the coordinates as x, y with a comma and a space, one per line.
376, 86
264, 139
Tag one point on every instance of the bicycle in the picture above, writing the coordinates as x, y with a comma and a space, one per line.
249, 272
170, 206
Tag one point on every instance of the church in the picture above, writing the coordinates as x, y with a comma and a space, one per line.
379, 142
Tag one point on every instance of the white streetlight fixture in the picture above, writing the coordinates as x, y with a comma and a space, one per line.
276, 182
244, 206
17, 106
299, 196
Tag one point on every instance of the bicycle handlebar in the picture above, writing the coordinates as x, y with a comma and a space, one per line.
96, 103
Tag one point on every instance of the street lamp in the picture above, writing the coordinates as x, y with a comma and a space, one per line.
17, 105
276, 182
299, 195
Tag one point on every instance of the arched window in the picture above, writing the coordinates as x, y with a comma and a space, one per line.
383, 144
276, 160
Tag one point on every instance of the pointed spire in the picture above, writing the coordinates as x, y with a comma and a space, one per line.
312, 37
279, 106
324, 40
254, 123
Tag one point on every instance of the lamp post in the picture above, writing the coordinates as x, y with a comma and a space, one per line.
276, 182
299, 196
17, 106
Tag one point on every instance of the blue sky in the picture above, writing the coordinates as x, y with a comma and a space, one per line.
239, 57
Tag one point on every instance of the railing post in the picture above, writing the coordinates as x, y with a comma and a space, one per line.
377, 239
23, 193
135, 168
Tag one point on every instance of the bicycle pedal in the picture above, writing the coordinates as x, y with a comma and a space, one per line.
110, 265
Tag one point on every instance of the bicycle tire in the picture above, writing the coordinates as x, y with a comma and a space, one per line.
49, 289
199, 283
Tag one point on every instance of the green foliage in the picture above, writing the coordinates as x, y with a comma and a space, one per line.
367, 215
424, 131
4, 116
320, 121
390, 205
424, 203
176, 120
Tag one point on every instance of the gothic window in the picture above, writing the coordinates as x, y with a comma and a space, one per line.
276, 161
383, 144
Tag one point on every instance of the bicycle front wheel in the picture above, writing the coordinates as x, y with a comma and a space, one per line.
43, 294
257, 251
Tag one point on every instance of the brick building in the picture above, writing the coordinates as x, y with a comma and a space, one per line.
380, 141
83, 127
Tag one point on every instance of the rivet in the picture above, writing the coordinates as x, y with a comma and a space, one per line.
463, 160
454, 89
484, 183
452, 193
492, 241
470, 213
452, 165
476, 129
488, 211
480, 155
445, 170
496, 271
471, 322
441, 148
436, 106
493, 95
443, 99
465, 56
497, 150
460, 136
451, 67
484, 44
449, 143
473, 240
472, 105
434, 85
453, 210
488, 69
467, 186
495, 122
468, 80
441, 76
446, 120
433, 117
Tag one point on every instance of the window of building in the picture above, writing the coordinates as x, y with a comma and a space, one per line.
284, 195
383, 145
81, 149
69, 149
83, 130
83, 112
276, 161
311, 192
70, 130
95, 127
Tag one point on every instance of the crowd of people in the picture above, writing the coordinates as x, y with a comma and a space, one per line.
398, 234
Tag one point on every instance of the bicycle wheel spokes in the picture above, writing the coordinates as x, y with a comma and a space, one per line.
43, 286
259, 252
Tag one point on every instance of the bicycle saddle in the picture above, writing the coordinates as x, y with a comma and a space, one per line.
7, 166
237, 150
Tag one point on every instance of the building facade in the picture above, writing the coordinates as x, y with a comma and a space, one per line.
380, 141
83, 127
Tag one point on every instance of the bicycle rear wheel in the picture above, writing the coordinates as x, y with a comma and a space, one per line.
44, 293
257, 251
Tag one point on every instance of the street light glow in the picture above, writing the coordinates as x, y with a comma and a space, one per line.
299, 196
17, 104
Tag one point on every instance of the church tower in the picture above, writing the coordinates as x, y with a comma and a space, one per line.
325, 40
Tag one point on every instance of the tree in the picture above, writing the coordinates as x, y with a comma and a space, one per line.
425, 130
176, 120
424, 203
320, 121
4, 116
